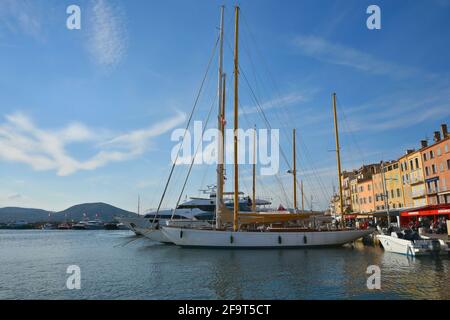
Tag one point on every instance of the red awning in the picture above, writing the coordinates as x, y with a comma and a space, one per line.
427, 211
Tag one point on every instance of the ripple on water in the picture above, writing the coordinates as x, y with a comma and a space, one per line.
114, 265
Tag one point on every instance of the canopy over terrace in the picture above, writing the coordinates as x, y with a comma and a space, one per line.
431, 211
373, 215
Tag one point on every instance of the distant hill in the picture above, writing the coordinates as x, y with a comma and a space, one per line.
9, 214
101, 210
104, 212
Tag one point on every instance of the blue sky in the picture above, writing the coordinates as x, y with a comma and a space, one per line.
86, 115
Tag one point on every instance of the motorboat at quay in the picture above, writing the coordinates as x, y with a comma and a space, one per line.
234, 228
410, 243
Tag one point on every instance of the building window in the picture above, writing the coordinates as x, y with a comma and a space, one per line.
411, 164
427, 171
438, 151
433, 168
370, 199
392, 193
417, 163
424, 157
446, 148
368, 187
431, 154
441, 167
448, 164
398, 192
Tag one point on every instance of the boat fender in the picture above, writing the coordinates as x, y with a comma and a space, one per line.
231, 239
305, 240
279, 239
181, 233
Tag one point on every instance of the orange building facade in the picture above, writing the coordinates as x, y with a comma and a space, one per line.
418, 178
436, 159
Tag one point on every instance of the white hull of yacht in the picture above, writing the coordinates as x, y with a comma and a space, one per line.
136, 224
413, 248
156, 234
231, 239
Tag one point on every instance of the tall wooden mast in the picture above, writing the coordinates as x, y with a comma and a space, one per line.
338, 157
254, 172
236, 114
294, 169
220, 126
303, 196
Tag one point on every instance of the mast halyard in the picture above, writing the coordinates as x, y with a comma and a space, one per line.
236, 114
338, 157
220, 125
294, 169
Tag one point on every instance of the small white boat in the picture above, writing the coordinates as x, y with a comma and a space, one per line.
412, 244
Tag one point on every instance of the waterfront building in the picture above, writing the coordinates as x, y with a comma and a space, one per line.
365, 187
347, 177
393, 185
378, 190
354, 194
412, 179
436, 160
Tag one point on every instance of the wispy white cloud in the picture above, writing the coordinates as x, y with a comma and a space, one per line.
399, 111
21, 17
43, 149
107, 33
279, 102
334, 53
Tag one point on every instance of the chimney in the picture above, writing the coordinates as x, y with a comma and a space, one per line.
409, 151
437, 136
444, 130
424, 143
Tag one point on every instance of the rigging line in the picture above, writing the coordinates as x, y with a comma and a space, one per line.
271, 77
284, 129
319, 180
187, 127
262, 113
193, 158
350, 132
286, 200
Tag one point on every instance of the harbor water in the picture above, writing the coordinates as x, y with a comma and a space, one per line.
33, 265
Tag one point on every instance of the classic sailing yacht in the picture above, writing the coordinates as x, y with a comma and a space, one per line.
242, 235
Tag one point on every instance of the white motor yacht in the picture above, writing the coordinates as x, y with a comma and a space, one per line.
412, 244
